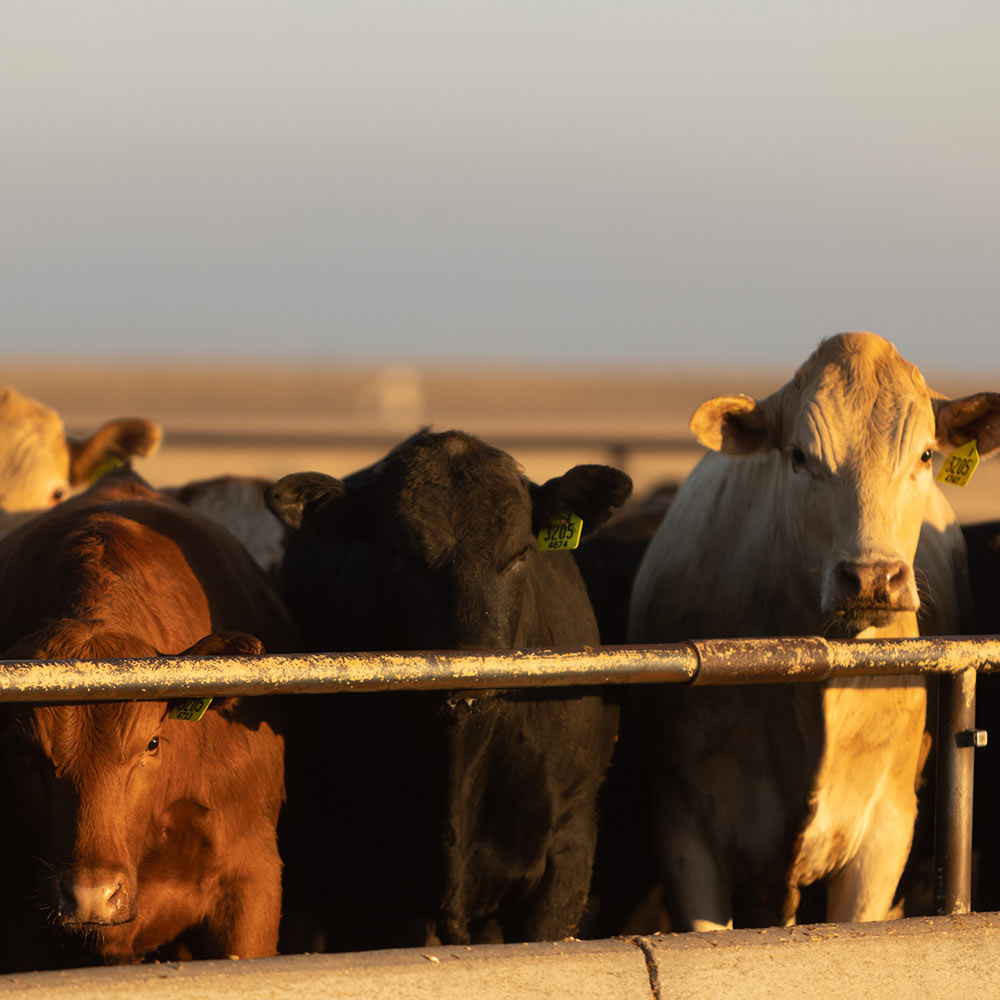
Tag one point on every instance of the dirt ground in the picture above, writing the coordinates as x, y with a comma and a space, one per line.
269, 421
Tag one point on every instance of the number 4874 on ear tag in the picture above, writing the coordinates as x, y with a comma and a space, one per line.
960, 464
562, 532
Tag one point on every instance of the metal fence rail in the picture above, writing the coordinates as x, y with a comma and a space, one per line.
705, 662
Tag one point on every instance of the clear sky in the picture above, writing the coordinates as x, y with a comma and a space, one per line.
612, 181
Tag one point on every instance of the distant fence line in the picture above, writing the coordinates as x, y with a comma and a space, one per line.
616, 446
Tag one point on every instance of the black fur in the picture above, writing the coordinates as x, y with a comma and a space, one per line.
461, 816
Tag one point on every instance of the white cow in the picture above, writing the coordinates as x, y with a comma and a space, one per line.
804, 519
40, 465
237, 503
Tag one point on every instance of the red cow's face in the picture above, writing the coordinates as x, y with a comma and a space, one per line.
84, 779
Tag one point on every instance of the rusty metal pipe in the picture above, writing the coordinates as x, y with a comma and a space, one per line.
813, 658
709, 661
96, 680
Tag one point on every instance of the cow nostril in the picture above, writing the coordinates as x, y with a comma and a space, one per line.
115, 896
65, 901
848, 579
897, 577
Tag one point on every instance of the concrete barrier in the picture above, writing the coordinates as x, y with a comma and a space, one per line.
583, 970
918, 958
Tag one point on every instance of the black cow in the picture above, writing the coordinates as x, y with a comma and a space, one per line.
464, 816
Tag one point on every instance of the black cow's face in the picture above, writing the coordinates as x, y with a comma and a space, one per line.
451, 537
451, 525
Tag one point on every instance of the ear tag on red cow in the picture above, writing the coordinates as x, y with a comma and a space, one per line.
108, 465
190, 710
960, 464
563, 532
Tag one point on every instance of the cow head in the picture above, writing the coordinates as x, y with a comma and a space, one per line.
111, 798
849, 443
450, 526
83, 777
39, 464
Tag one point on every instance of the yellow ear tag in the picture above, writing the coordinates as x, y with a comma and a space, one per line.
190, 710
108, 465
563, 532
960, 464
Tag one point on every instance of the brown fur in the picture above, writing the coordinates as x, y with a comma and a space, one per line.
180, 816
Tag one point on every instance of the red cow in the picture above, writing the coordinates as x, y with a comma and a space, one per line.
149, 830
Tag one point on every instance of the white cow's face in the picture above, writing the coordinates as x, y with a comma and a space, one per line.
39, 465
850, 441
856, 452
34, 455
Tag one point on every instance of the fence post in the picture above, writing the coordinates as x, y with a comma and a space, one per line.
957, 739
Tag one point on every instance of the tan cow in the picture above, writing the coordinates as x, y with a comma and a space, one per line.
40, 465
804, 519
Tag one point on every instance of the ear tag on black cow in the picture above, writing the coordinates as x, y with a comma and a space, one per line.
190, 710
108, 465
563, 532
960, 464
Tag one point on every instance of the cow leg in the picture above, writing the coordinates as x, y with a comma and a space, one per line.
556, 905
864, 888
873, 801
699, 897
245, 924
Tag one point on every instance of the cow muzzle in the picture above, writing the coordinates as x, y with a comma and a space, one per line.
866, 594
96, 896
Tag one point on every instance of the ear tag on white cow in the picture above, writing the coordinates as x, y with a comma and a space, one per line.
190, 710
108, 465
563, 532
960, 464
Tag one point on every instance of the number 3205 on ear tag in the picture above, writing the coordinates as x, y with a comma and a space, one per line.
563, 532
190, 710
960, 464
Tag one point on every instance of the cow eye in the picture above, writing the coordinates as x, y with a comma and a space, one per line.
798, 458
927, 455
153, 745
57, 495
517, 560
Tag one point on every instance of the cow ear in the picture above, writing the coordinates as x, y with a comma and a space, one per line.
589, 491
226, 643
315, 505
961, 420
111, 444
223, 644
734, 425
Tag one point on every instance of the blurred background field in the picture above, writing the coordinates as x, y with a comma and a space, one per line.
272, 420
572, 221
